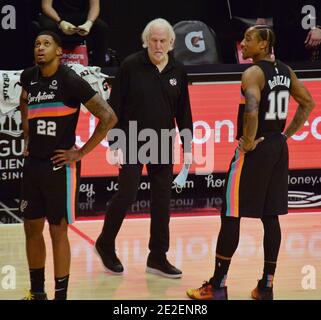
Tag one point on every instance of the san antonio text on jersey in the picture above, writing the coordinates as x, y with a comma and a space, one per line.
53, 109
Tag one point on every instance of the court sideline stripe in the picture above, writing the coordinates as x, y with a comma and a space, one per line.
82, 234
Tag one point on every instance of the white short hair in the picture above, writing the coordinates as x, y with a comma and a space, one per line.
162, 23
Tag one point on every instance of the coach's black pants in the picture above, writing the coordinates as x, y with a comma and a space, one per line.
160, 177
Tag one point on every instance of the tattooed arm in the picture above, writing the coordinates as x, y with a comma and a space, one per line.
107, 119
252, 83
23, 107
306, 104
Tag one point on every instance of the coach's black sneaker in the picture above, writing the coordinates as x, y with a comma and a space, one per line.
35, 296
262, 293
109, 259
163, 268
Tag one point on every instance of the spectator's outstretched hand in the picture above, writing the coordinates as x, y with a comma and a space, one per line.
67, 27
314, 38
84, 29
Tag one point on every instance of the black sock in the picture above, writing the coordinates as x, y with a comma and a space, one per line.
37, 280
220, 273
271, 244
268, 275
61, 286
227, 243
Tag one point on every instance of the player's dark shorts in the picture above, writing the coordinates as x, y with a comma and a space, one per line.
257, 181
49, 191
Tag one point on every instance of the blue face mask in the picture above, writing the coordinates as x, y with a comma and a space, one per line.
180, 180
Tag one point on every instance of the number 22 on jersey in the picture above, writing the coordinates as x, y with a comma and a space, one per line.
46, 128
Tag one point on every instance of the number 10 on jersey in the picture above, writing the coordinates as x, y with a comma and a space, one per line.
279, 103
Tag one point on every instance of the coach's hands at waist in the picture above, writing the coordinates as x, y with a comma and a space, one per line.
246, 146
63, 157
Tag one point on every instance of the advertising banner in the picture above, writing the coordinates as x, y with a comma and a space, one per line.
214, 108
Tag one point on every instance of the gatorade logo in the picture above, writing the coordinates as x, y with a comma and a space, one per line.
194, 41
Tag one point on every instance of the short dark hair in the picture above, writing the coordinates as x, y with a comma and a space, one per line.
266, 33
54, 36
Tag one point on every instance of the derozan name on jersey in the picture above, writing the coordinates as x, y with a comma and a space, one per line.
40, 97
279, 81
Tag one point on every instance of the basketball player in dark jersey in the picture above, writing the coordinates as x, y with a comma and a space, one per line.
50, 102
256, 183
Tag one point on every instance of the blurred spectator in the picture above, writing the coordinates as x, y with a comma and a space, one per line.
297, 25
78, 18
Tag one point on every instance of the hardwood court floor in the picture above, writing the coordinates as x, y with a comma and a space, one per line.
193, 242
